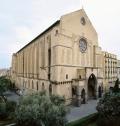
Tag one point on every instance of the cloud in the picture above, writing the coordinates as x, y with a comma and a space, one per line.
23, 33
23, 20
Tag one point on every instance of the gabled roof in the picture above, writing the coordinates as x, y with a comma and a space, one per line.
54, 24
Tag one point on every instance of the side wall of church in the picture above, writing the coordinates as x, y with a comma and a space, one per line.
32, 62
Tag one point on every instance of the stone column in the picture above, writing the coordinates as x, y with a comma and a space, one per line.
78, 96
96, 93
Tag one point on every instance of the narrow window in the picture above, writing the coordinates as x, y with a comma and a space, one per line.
66, 76
37, 86
56, 32
50, 89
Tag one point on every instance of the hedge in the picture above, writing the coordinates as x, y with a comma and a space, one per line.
84, 121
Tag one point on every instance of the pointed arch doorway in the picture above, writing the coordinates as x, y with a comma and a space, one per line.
92, 87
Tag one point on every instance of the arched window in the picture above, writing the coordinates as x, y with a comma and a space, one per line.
83, 96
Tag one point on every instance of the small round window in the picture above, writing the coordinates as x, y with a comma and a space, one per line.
83, 22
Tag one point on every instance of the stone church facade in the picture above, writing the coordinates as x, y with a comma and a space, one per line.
65, 59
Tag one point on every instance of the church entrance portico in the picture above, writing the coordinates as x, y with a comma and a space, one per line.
78, 92
92, 86
87, 87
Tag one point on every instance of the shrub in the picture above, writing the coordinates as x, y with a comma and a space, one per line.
7, 109
84, 121
4, 84
108, 122
57, 100
109, 110
3, 112
41, 110
116, 88
11, 106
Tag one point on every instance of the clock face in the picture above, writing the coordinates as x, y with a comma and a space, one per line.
83, 45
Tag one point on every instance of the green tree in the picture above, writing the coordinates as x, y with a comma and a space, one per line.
7, 109
40, 109
116, 87
3, 113
4, 85
109, 110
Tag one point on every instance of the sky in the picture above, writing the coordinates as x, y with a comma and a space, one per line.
22, 20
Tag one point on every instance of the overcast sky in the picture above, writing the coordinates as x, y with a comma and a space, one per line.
22, 20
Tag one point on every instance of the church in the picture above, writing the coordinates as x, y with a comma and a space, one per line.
65, 60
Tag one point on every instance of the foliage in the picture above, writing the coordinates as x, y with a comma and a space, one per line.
84, 121
109, 110
116, 88
2, 99
3, 113
7, 109
4, 84
11, 106
57, 100
39, 109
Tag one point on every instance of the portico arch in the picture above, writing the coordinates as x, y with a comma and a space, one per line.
83, 96
92, 86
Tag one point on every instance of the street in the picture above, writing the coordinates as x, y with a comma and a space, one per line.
12, 96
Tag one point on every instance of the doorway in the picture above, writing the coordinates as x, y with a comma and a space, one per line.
92, 84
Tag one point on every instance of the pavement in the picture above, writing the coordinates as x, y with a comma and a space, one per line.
12, 96
82, 111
